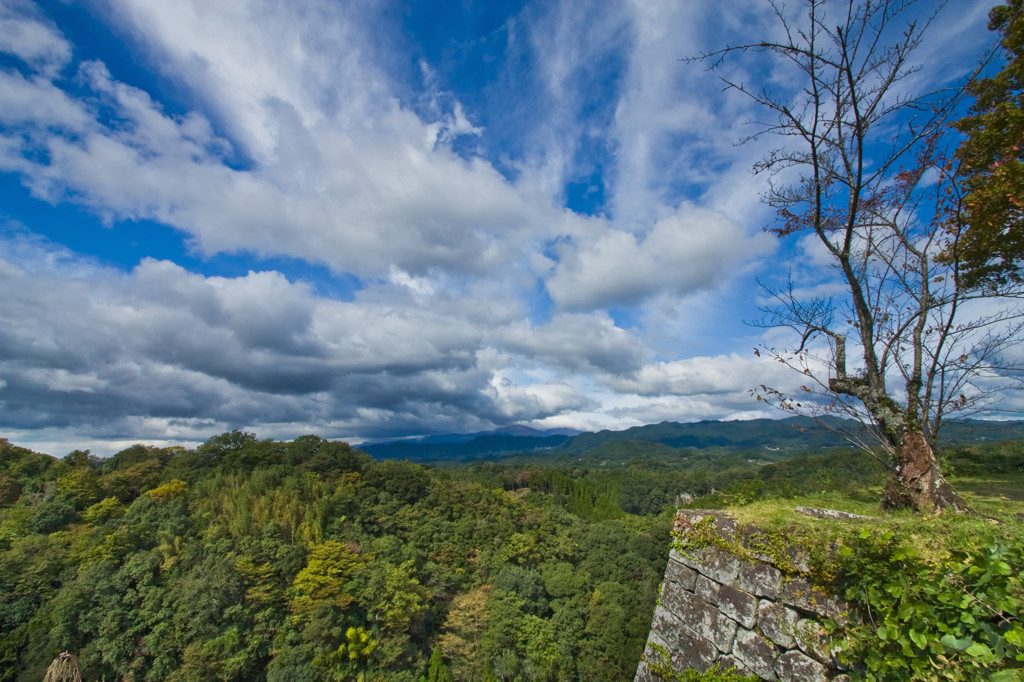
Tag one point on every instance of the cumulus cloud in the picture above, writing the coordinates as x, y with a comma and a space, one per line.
706, 376
105, 354
350, 179
38, 102
83, 344
579, 343
690, 251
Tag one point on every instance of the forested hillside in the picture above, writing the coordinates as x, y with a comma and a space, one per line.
249, 560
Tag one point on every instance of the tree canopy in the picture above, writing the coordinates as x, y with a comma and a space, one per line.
249, 560
991, 247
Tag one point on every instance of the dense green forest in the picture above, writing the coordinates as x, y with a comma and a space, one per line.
245, 559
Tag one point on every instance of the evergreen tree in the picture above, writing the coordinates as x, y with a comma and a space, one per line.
992, 244
438, 671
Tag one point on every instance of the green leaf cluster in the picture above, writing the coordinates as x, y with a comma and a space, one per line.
951, 616
992, 156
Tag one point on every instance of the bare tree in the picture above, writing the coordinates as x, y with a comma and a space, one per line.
862, 170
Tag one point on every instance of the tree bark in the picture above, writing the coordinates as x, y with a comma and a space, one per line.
917, 481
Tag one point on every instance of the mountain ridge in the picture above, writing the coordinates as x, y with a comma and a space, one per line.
788, 434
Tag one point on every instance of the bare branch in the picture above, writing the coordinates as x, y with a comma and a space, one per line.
866, 151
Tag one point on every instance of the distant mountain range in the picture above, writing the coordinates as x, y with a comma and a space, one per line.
466, 446
784, 435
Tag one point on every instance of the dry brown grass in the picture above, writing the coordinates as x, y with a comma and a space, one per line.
64, 668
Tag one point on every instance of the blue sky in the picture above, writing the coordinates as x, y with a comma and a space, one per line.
381, 219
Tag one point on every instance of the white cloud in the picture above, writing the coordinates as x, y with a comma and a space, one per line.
359, 200
576, 45
177, 356
356, 203
33, 41
292, 132
357, 183
579, 343
240, 57
673, 139
706, 376
163, 343
690, 251
37, 102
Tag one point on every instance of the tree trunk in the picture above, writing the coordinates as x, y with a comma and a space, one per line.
917, 482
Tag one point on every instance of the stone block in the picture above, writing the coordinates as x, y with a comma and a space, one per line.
698, 616
724, 634
674, 555
726, 527
778, 623
684, 605
799, 594
724, 524
727, 663
713, 562
796, 666
738, 605
680, 574
665, 627
707, 590
655, 639
756, 653
759, 579
686, 649
787, 556
818, 513
694, 651
652, 655
812, 640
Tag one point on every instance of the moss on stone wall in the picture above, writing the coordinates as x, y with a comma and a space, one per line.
891, 598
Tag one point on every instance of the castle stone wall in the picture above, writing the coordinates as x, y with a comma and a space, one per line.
752, 610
